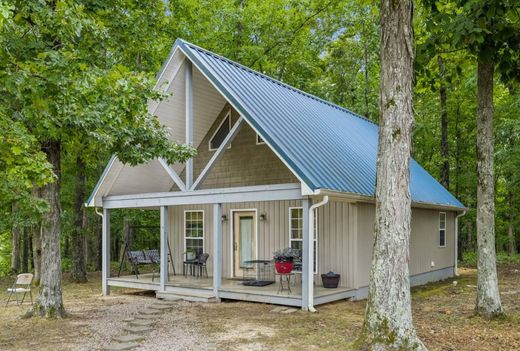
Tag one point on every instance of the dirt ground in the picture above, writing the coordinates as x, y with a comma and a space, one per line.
443, 313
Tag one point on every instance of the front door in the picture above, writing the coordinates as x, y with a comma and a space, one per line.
244, 241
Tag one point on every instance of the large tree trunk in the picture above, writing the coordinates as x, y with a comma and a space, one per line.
49, 302
79, 267
388, 321
488, 297
445, 168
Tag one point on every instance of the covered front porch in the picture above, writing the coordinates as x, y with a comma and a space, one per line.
201, 289
271, 202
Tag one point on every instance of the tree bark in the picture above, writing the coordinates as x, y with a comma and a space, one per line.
445, 167
25, 251
49, 302
15, 249
511, 243
488, 297
36, 244
37, 253
79, 266
388, 320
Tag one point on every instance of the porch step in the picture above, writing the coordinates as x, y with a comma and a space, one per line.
193, 297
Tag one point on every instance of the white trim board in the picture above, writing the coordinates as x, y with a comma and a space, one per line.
231, 220
211, 196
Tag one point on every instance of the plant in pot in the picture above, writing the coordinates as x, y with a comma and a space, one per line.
283, 260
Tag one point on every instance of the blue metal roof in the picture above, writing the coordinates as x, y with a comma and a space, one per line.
327, 146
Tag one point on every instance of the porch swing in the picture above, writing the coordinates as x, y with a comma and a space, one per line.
142, 257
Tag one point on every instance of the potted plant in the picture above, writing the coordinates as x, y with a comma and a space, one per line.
283, 260
330, 280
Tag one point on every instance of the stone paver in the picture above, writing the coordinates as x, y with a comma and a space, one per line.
278, 309
142, 323
289, 310
119, 346
161, 307
150, 311
129, 338
137, 330
146, 317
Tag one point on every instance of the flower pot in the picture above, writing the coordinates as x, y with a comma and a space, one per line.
283, 267
330, 281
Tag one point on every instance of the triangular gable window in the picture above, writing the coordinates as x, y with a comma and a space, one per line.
221, 133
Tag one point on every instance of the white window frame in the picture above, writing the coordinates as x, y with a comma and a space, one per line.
315, 234
228, 116
258, 138
203, 231
442, 229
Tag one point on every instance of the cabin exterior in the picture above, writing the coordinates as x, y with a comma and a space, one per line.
275, 168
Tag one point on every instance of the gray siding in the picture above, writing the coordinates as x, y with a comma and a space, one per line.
424, 246
334, 235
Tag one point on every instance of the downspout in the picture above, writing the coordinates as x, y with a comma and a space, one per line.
310, 302
98, 213
456, 263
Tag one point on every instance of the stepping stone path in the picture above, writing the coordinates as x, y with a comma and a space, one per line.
138, 326
284, 310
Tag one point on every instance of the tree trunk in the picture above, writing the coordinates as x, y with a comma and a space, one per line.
367, 81
36, 237
511, 243
457, 151
445, 168
37, 253
388, 320
25, 251
49, 302
470, 236
488, 297
79, 267
15, 249
99, 231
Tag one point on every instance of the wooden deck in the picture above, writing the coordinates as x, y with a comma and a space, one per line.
232, 289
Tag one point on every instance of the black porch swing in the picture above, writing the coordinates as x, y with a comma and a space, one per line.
144, 256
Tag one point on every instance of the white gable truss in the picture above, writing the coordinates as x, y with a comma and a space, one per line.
178, 77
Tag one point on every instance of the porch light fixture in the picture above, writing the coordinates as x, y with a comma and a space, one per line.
224, 218
263, 217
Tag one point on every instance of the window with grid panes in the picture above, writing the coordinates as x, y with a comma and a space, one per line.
296, 233
194, 232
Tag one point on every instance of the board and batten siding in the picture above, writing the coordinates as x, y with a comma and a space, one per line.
424, 242
335, 235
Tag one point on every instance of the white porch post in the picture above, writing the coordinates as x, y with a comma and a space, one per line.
217, 248
105, 251
308, 258
165, 233
189, 120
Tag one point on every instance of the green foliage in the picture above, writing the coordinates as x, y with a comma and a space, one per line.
469, 259
5, 253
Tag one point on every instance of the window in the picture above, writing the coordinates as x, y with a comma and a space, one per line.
259, 140
442, 229
194, 232
296, 234
221, 133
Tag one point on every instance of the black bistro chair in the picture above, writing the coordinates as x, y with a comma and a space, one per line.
200, 265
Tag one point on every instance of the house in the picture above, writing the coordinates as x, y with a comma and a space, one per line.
276, 167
